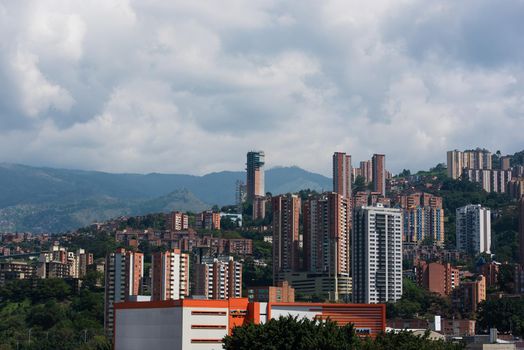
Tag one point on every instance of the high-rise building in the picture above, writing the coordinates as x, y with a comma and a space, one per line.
473, 229
218, 278
379, 173
177, 221
124, 271
521, 230
208, 220
259, 207
255, 175
327, 234
342, 174
170, 275
376, 254
454, 161
286, 212
366, 170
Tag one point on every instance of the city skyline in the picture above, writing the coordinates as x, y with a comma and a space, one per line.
299, 80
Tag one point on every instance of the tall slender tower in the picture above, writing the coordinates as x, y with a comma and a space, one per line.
473, 229
286, 211
379, 173
377, 254
255, 175
342, 174
326, 234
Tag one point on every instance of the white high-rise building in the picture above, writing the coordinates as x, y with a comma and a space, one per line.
376, 254
473, 229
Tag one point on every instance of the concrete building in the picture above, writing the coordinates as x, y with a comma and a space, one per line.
240, 195
281, 293
218, 278
255, 175
473, 229
286, 212
320, 284
478, 159
342, 174
124, 271
377, 254
379, 173
208, 220
259, 207
170, 275
202, 324
326, 237
437, 278
177, 221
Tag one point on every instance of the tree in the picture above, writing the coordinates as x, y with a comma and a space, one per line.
293, 333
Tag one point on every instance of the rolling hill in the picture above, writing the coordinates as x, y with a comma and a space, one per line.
40, 199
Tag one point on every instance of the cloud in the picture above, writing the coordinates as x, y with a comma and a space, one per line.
190, 87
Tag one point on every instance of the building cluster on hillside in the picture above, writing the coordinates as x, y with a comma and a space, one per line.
58, 262
478, 166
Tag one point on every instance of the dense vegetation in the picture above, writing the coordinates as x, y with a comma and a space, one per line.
507, 315
418, 302
301, 334
50, 314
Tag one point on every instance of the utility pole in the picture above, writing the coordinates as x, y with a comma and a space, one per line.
29, 336
85, 335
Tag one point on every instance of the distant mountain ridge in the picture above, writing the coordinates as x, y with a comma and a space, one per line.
43, 199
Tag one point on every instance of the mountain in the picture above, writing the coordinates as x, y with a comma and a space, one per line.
41, 199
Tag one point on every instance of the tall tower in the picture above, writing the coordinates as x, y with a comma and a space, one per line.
286, 211
342, 174
455, 164
326, 234
255, 175
123, 276
379, 173
377, 254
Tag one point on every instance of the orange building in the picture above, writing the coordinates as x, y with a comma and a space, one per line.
190, 324
342, 174
438, 278
177, 221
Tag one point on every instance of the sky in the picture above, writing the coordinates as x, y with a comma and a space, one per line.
191, 86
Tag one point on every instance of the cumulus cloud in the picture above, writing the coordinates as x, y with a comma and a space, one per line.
180, 86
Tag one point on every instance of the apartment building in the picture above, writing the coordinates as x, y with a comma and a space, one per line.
177, 221
473, 229
286, 212
208, 220
170, 275
217, 278
124, 271
437, 278
377, 254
